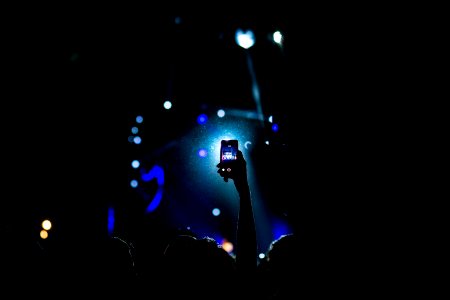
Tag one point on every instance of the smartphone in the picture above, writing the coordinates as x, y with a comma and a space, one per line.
228, 150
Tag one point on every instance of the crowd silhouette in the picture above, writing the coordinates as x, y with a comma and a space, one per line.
188, 266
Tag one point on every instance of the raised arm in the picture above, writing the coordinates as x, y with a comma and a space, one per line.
246, 248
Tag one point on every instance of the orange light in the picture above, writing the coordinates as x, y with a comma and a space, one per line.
43, 234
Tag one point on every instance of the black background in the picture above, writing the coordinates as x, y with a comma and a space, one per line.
337, 86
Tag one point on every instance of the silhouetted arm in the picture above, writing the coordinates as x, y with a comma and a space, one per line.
246, 232
246, 248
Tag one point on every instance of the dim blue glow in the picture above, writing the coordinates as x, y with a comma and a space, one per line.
221, 113
156, 172
167, 104
111, 220
216, 212
130, 138
218, 238
275, 127
280, 229
202, 153
202, 119
137, 140
134, 130
135, 164
134, 183
245, 39
139, 119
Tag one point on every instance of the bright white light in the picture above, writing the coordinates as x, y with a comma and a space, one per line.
245, 39
277, 37
270, 119
46, 224
134, 130
220, 113
267, 142
216, 212
262, 255
139, 119
167, 104
135, 164
137, 140
134, 183
227, 137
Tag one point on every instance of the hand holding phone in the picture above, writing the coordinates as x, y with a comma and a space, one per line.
232, 163
228, 151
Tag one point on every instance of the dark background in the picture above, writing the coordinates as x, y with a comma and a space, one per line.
74, 82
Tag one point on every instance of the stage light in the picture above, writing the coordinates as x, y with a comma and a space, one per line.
202, 119
275, 127
46, 224
245, 39
261, 255
43, 234
137, 140
270, 119
135, 164
154, 203
227, 246
155, 172
278, 37
134, 130
134, 183
167, 104
202, 153
111, 220
139, 119
216, 212
220, 113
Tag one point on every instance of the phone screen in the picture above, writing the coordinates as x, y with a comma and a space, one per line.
228, 150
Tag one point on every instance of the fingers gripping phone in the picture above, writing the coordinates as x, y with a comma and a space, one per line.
228, 151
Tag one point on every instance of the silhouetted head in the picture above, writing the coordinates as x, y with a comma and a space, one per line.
281, 273
198, 267
284, 252
116, 260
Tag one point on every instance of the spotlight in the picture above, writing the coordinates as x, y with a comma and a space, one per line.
167, 104
278, 37
245, 39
